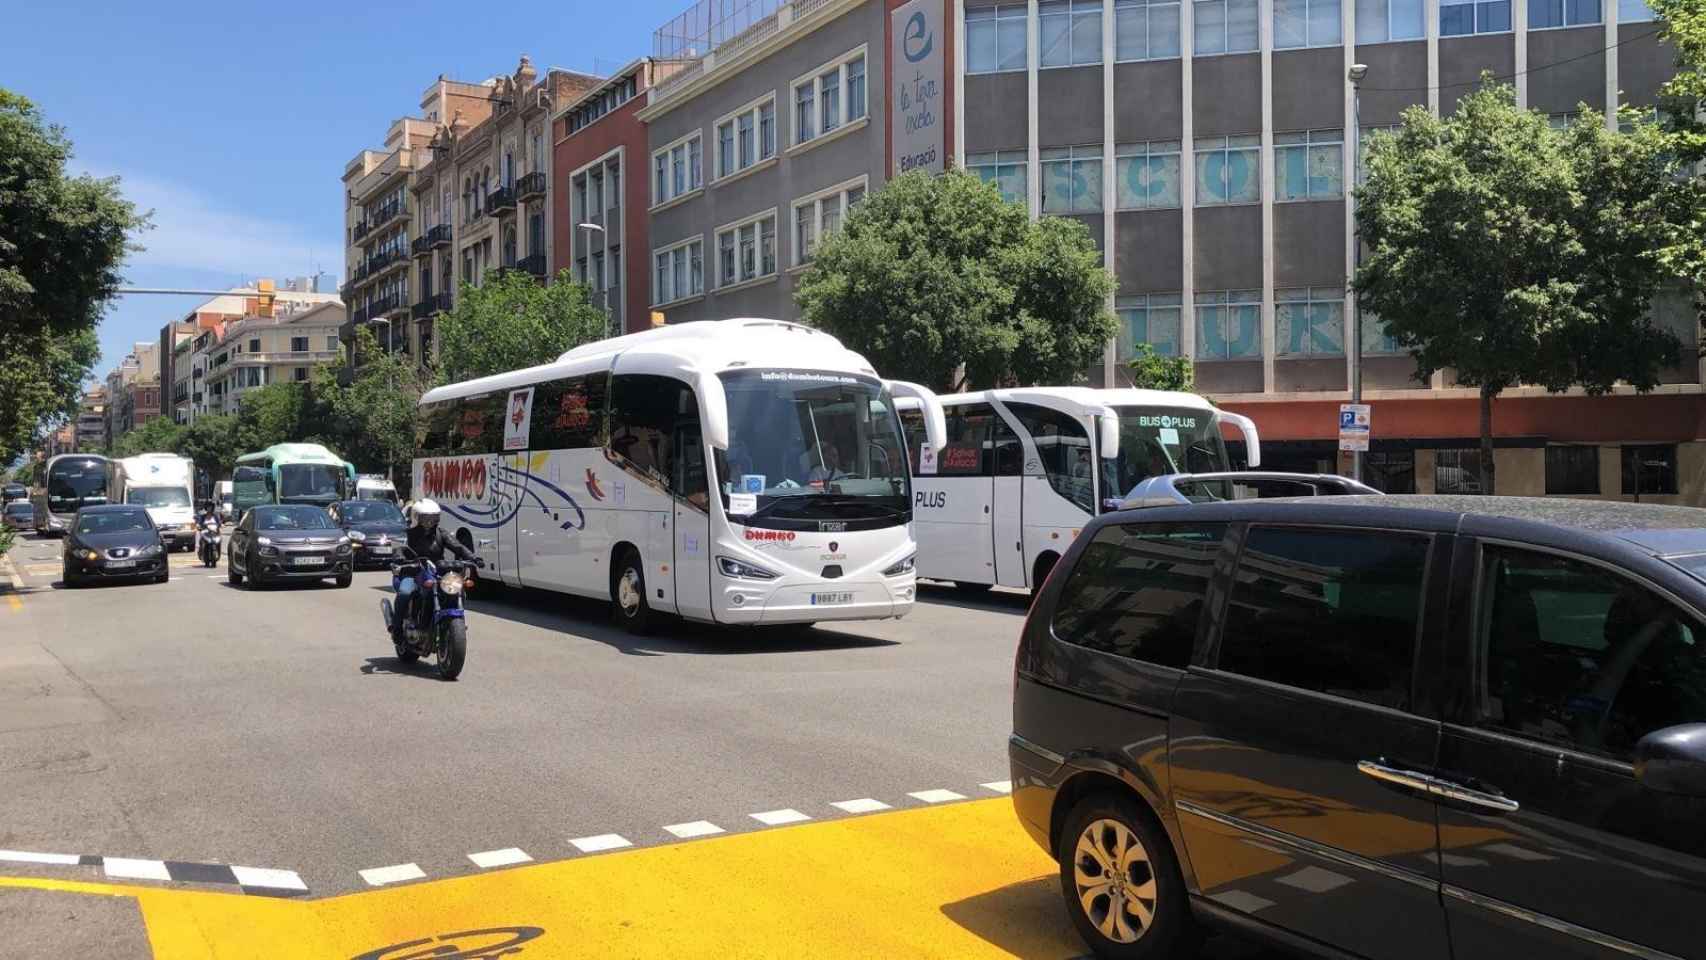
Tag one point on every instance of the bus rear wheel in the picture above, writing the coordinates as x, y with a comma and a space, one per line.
628, 590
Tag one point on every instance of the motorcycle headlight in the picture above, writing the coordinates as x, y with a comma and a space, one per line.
741, 570
357, 536
903, 566
450, 584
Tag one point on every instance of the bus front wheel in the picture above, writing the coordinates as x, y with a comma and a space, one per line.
629, 593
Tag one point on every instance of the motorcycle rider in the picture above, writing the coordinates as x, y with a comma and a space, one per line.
426, 539
207, 524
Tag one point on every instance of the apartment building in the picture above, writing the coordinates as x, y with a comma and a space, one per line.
254, 351
184, 366
780, 121
139, 367
596, 215
1206, 144
91, 422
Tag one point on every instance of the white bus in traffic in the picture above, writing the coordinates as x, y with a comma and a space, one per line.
738, 471
70, 481
1023, 470
164, 483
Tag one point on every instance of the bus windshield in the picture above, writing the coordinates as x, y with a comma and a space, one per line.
1156, 441
76, 483
815, 445
309, 481
158, 496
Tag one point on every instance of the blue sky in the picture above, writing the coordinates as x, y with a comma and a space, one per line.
233, 121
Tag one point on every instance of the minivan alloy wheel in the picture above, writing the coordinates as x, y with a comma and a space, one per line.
1114, 880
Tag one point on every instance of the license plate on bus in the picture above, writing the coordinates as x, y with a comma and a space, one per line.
120, 564
821, 599
307, 561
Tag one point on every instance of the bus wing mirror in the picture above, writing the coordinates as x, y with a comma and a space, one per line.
1252, 442
714, 411
1108, 433
935, 421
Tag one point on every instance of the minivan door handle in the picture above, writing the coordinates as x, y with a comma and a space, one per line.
1438, 787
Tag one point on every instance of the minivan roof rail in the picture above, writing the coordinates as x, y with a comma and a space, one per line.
1163, 491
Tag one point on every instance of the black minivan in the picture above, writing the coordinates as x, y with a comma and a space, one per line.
1387, 727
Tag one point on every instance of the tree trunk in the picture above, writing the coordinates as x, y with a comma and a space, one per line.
1487, 394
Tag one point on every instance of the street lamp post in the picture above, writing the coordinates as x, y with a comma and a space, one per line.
1355, 75
590, 228
390, 471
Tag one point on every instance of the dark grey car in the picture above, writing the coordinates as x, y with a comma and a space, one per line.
1412, 728
279, 543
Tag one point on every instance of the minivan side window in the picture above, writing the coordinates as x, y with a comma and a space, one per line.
1333, 611
1138, 591
1579, 657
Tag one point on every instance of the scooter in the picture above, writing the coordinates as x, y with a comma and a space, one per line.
210, 540
436, 626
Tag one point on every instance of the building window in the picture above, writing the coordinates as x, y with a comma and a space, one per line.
832, 96
1649, 468
1561, 13
1633, 11
1146, 29
1462, 17
1069, 32
1072, 179
298, 344
1146, 175
1375, 340
1457, 471
1227, 170
1309, 166
1229, 325
332, 342
1572, 469
1306, 23
1226, 26
680, 272
1152, 319
299, 374
1004, 168
995, 38
254, 344
1390, 471
817, 217
1309, 322
746, 137
677, 169
747, 250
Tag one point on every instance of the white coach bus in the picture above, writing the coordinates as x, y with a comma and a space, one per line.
738, 471
1024, 469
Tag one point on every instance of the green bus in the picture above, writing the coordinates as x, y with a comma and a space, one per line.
290, 473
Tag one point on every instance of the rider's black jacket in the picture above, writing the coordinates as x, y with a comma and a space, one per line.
435, 543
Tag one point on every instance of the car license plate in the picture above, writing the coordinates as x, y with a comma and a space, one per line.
307, 561
820, 599
120, 564
376, 551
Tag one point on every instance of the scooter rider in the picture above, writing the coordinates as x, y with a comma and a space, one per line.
426, 539
207, 525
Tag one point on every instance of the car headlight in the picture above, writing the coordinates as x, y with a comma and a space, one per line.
450, 584
356, 535
343, 547
741, 570
903, 566
88, 554
149, 550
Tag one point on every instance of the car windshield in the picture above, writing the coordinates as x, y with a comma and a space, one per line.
812, 444
309, 481
19, 509
292, 518
1155, 441
76, 483
158, 497
113, 521
371, 511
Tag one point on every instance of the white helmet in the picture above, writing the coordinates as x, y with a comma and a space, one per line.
424, 513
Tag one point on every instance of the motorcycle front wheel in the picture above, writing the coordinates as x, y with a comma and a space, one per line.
452, 648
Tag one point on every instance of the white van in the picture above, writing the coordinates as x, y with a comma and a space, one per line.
163, 483
373, 487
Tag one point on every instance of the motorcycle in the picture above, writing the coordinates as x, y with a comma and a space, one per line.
210, 547
435, 626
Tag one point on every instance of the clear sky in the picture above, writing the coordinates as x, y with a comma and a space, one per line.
233, 121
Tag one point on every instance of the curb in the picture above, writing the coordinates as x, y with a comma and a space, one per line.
254, 881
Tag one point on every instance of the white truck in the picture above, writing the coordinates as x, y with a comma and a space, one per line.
164, 484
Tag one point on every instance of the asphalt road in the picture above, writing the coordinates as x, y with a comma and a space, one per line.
195, 721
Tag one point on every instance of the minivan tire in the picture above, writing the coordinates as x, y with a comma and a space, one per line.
1171, 931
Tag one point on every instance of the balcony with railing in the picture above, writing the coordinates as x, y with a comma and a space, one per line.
426, 243
360, 230
531, 185
382, 263
501, 200
534, 265
385, 213
432, 306
381, 306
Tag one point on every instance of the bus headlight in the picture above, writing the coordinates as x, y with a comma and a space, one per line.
741, 570
903, 566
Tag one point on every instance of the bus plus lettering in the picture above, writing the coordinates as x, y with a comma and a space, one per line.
463, 478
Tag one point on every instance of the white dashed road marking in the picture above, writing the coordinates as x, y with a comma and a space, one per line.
136, 869
867, 805
999, 786
604, 841
380, 876
271, 879
936, 796
698, 828
24, 856
775, 818
499, 858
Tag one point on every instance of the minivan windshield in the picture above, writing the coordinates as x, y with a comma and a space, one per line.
158, 496
809, 444
292, 518
1155, 441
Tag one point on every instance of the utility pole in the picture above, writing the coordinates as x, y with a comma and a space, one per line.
1355, 75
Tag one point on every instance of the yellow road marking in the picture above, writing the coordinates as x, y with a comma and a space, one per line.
13, 602
956, 881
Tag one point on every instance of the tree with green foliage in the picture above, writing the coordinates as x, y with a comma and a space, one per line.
513, 321
159, 435
62, 241
212, 442
1514, 253
1152, 371
277, 413
1682, 106
933, 274
371, 420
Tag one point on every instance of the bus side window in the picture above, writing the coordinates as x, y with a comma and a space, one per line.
434, 428
1063, 445
912, 428
1009, 452
966, 453
477, 429
643, 416
568, 414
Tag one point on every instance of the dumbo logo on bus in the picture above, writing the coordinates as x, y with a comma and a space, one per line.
462, 478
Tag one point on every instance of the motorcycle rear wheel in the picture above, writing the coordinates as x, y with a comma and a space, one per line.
452, 648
